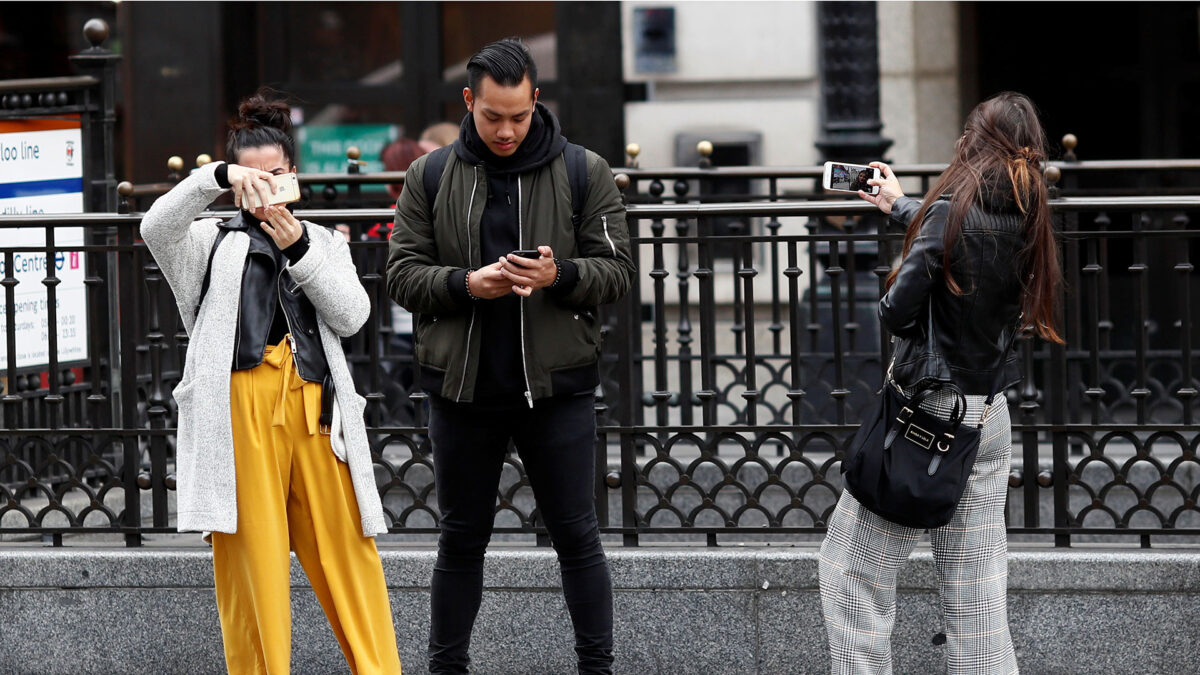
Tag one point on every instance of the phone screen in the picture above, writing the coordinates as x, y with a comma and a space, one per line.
851, 177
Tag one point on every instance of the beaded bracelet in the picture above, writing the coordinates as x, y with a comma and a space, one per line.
557, 273
467, 283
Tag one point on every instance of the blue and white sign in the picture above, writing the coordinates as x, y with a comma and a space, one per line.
41, 171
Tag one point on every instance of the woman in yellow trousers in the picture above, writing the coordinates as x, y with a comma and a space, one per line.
271, 449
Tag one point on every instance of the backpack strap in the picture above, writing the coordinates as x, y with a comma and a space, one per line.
577, 176
221, 232
434, 167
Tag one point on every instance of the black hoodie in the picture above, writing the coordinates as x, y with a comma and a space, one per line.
501, 377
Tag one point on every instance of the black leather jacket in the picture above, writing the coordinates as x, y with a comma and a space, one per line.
267, 286
971, 329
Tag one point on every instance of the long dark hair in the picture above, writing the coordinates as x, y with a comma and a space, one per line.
1000, 154
263, 119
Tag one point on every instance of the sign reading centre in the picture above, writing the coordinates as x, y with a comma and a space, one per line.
41, 171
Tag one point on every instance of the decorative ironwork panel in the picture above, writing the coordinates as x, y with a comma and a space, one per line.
733, 376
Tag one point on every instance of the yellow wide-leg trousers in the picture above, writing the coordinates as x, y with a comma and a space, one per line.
293, 493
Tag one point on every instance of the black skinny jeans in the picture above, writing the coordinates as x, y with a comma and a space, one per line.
555, 441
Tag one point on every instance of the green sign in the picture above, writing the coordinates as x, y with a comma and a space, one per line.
323, 147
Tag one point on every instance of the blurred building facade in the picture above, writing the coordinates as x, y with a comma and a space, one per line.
746, 74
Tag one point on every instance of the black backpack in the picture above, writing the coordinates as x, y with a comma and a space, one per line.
577, 176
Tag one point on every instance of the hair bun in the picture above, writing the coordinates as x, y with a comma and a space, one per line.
260, 110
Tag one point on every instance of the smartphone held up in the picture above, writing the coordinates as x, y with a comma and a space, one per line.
844, 177
286, 191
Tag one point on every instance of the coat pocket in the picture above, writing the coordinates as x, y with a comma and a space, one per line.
184, 393
339, 438
586, 329
186, 426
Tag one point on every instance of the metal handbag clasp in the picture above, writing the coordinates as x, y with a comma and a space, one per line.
944, 444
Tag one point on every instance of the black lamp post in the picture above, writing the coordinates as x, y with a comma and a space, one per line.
849, 63
850, 132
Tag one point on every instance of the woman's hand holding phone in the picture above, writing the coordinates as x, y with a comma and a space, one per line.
889, 188
528, 274
250, 185
281, 226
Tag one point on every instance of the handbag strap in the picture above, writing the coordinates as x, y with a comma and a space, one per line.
997, 374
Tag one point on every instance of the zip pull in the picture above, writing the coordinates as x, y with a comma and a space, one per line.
529, 399
508, 197
611, 245
292, 343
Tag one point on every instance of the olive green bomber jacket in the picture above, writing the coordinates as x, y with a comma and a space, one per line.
559, 334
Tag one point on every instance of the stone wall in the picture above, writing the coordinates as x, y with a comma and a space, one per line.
678, 610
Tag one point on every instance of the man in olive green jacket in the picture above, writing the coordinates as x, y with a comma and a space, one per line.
509, 344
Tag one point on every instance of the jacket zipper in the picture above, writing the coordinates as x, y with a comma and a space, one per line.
470, 206
524, 363
277, 305
470, 326
291, 336
604, 221
237, 330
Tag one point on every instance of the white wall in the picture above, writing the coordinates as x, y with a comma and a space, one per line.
741, 67
736, 41
752, 66
788, 127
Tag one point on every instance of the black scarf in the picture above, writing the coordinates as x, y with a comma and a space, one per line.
542, 144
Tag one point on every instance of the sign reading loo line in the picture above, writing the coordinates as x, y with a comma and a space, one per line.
41, 171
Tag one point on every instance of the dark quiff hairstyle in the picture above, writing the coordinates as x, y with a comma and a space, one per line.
506, 61
263, 119
1001, 152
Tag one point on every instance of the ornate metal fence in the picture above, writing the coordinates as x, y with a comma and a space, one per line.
734, 375
708, 183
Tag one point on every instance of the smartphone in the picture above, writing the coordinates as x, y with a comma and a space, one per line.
287, 190
849, 177
527, 253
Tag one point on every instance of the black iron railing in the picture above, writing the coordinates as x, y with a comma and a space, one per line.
707, 183
733, 376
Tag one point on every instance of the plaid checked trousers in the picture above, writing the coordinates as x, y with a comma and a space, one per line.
862, 554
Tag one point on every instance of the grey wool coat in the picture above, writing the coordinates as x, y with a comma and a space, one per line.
206, 484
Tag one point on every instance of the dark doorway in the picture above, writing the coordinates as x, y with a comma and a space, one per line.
1122, 76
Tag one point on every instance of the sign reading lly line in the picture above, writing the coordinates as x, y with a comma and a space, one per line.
41, 171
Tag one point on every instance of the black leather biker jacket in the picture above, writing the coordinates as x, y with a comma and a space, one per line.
266, 287
969, 331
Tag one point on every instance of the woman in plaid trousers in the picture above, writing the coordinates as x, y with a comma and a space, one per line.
979, 261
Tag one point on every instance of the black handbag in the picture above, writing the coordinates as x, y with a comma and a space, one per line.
909, 467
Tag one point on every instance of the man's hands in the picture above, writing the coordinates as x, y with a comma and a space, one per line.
514, 274
487, 283
529, 274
